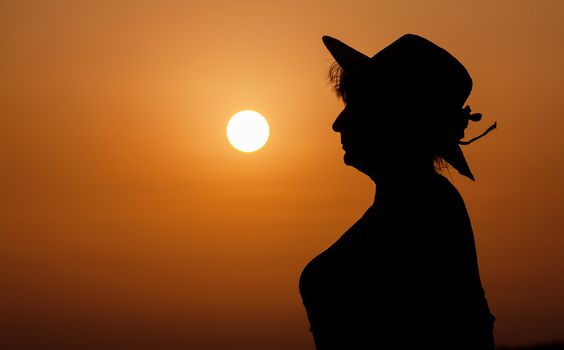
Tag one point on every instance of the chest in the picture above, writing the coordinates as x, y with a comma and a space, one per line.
373, 256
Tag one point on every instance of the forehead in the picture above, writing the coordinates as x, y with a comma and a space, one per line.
367, 90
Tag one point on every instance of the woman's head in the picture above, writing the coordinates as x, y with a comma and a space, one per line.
403, 107
373, 130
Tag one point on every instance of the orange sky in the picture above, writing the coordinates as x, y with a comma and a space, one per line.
127, 221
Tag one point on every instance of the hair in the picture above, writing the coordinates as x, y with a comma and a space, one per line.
340, 81
336, 77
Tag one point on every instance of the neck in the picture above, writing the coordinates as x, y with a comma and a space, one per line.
390, 188
401, 176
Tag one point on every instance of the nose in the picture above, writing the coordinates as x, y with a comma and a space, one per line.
338, 124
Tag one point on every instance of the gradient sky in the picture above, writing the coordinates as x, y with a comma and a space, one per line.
128, 221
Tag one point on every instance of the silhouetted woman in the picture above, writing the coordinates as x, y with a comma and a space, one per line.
405, 275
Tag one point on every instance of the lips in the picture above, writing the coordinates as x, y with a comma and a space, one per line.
346, 143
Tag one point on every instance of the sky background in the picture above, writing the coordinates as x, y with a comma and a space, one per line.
127, 221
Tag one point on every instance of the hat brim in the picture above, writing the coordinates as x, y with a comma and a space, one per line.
347, 57
454, 156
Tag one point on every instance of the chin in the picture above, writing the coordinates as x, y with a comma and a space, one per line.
350, 160
356, 163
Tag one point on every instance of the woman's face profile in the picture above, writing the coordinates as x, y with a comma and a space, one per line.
371, 138
361, 135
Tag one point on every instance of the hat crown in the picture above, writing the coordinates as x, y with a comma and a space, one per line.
425, 69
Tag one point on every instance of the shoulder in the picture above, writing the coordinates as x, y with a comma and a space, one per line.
447, 213
441, 194
438, 206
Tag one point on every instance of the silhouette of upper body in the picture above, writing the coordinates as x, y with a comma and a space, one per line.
405, 275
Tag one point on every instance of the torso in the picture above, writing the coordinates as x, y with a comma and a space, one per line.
379, 281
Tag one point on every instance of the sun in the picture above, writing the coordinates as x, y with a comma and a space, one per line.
247, 131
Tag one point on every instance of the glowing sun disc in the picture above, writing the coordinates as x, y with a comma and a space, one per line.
247, 131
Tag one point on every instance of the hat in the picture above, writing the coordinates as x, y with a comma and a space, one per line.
419, 69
